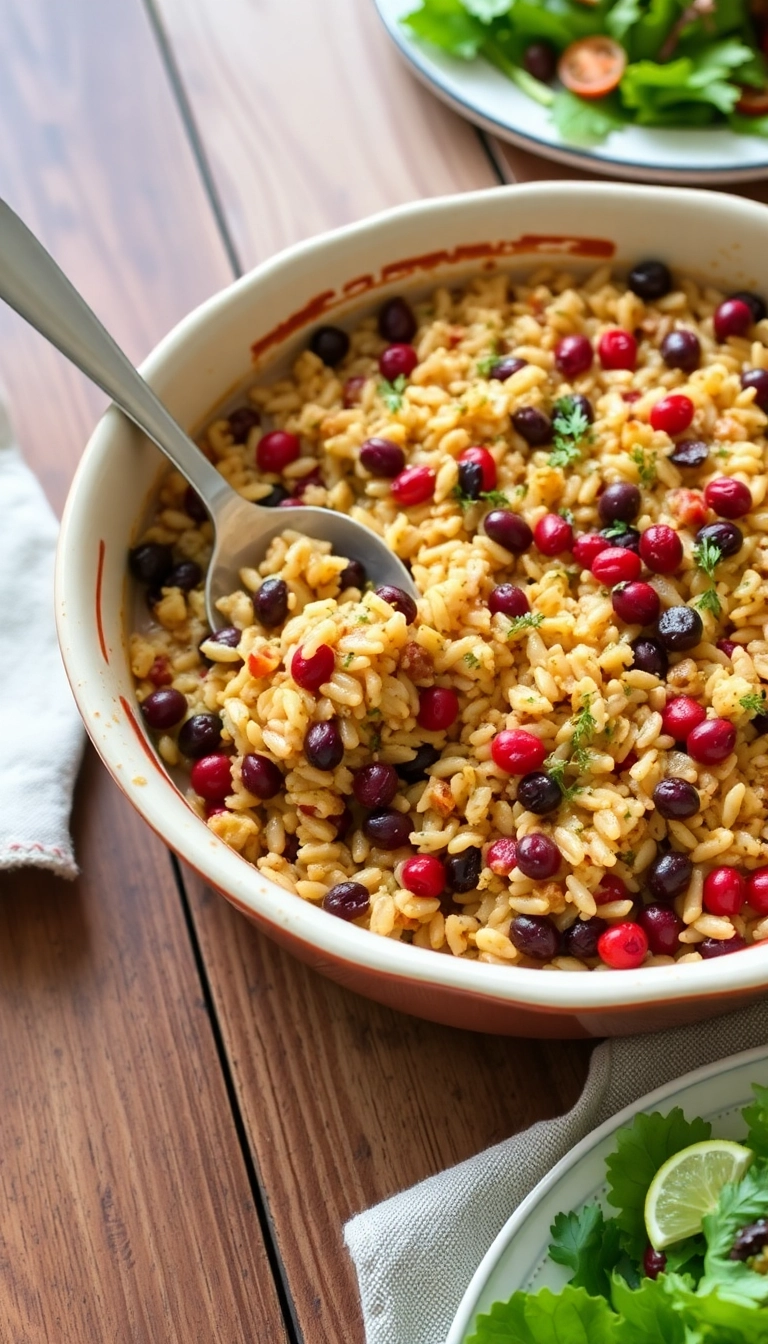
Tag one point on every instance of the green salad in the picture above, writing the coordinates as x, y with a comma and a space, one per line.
600, 66
684, 1258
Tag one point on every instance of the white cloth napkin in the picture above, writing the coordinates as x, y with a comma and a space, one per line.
41, 735
416, 1253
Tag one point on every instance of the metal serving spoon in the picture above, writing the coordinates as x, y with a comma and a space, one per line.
32, 283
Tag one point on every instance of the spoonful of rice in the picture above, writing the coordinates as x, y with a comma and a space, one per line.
33, 284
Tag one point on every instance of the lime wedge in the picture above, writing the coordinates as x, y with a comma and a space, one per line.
688, 1187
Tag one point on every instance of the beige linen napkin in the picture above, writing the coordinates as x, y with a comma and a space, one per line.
41, 735
416, 1253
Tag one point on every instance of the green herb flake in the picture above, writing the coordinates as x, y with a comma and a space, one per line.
530, 621
627, 856
567, 515
754, 702
572, 430
486, 362
617, 529
709, 601
707, 555
392, 393
496, 498
362, 618
471, 659
646, 465
348, 658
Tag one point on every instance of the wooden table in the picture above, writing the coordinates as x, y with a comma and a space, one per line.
188, 1116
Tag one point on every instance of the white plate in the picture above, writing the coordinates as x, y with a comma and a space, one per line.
480, 92
518, 1257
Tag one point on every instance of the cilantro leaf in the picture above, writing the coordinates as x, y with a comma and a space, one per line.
588, 1244
569, 1317
756, 1117
392, 393
740, 1203
641, 1148
707, 555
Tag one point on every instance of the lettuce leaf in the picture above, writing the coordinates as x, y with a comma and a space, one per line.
446, 24
588, 1244
641, 1149
739, 1204
586, 121
569, 1317
648, 1313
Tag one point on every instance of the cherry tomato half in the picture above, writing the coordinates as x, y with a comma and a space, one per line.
753, 102
593, 66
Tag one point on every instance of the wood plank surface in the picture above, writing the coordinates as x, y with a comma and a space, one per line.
127, 1213
344, 1102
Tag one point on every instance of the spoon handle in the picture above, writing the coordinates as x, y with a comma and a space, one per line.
32, 283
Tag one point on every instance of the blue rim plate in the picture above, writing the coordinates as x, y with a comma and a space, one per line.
481, 93
518, 1257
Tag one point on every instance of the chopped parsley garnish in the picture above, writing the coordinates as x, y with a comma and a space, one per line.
616, 529
584, 728
496, 498
567, 515
708, 555
471, 659
556, 768
627, 856
709, 601
572, 429
753, 702
645, 463
486, 362
362, 618
348, 659
392, 393
530, 621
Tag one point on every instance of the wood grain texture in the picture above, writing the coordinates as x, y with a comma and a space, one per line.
126, 1211
308, 118
346, 1102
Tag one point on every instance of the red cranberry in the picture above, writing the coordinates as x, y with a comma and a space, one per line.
662, 928
375, 785
400, 600
424, 875
680, 629
676, 798
242, 421
672, 414
313, 672
413, 486
733, 317
619, 503
508, 530
462, 871
661, 549
727, 646
681, 350
615, 565
636, 603
587, 546
728, 497
397, 361
681, 715
539, 793
689, 453
754, 302
581, 939
502, 856
330, 344
397, 321
200, 735
610, 889
347, 900
382, 457
211, 777
650, 280
553, 534
538, 856
504, 368
534, 936
573, 355
711, 742
164, 709
323, 746
725, 891
623, 947
353, 390
533, 426
757, 378
277, 450
654, 1262
160, 673
669, 875
517, 751
757, 890
151, 562
508, 599
270, 603
194, 506
387, 829
438, 708
649, 655
719, 947
261, 776
485, 461
617, 349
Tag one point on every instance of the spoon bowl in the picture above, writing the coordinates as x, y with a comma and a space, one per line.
34, 285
